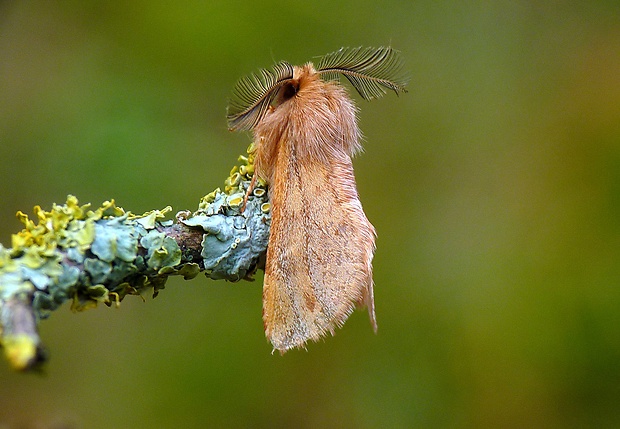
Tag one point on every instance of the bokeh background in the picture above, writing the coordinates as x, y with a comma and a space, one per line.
494, 185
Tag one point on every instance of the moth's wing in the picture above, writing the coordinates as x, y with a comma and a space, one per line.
321, 244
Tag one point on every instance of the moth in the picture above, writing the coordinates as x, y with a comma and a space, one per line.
319, 258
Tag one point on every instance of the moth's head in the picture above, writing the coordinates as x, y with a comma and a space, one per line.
303, 80
370, 71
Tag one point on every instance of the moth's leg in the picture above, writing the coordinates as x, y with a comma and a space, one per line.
249, 191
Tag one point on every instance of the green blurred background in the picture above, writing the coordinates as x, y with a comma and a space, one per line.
494, 185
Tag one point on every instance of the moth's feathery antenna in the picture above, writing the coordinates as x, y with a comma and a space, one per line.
370, 70
254, 93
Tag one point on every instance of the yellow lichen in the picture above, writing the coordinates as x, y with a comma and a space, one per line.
54, 224
148, 219
20, 350
234, 185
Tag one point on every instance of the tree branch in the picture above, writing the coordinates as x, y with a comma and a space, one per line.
100, 256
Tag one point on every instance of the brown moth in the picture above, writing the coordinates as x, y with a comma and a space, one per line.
319, 258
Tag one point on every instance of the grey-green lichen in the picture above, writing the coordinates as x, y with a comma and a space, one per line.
82, 255
85, 256
236, 229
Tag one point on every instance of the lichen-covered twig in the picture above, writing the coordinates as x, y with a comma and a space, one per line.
74, 253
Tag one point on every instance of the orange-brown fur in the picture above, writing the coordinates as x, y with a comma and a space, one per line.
319, 259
